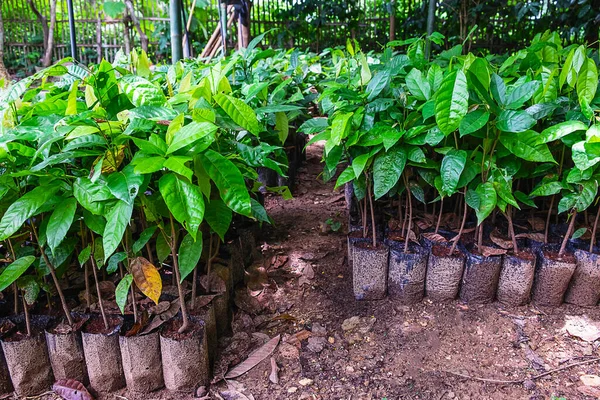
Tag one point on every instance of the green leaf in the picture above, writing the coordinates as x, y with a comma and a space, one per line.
527, 145
514, 121
14, 271
387, 170
561, 130
418, 85
522, 93
579, 233
122, 292
145, 236
184, 200
452, 102
114, 260
192, 133
379, 82
359, 163
125, 184
587, 82
60, 221
346, 176
240, 112
142, 92
473, 122
282, 126
174, 127
30, 288
583, 157
547, 189
229, 180
162, 248
218, 216
148, 165
487, 201
523, 198
84, 255
340, 127
90, 195
177, 164
587, 194
24, 208
189, 255
117, 219
451, 168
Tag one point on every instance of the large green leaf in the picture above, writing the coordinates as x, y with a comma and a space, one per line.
560, 130
122, 291
142, 92
587, 82
587, 194
340, 127
24, 208
60, 221
451, 168
547, 189
184, 200
190, 251
387, 170
117, 219
191, 133
377, 84
240, 112
145, 236
90, 195
522, 93
452, 102
514, 121
487, 201
218, 216
473, 121
229, 181
418, 85
14, 271
527, 145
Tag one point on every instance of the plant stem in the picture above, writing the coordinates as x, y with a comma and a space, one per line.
593, 238
563, 246
133, 303
511, 228
86, 273
439, 220
98, 292
27, 318
547, 227
209, 262
480, 235
53, 274
14, 285
372, 215
408, 231
194, 287
365, 217
173, 245
400, 219
462, 225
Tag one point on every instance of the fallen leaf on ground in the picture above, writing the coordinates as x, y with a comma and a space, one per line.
435, 237
160, 319
500, 241
70, 389
298, 337
538, 237
582, 327
274, 376
488, 251
254, 358
589, 391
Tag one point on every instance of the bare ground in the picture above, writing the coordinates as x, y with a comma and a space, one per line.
303, 292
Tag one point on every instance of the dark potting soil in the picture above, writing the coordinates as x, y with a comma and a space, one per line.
96, 326
444, 251
525, 255
369, 246
63, 328
567, 257
172, 327
17, 332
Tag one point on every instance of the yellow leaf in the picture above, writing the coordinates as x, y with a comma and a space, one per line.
113, 159
147, 278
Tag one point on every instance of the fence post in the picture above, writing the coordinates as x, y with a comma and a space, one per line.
72, 29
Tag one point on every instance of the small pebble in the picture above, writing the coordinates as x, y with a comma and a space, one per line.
306, 382
331, 340
293, 389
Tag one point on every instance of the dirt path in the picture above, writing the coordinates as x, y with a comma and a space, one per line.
388, 351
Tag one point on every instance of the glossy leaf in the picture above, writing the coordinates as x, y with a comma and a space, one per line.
452, 102
192, 133
240, 112
189, 255
184, 201
561, 130
527, 145
218, 216
451, 168
60, 221
122, 292
117, 219
387, 170
14, 270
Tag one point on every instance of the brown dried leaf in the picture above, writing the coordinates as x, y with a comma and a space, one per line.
500, 241
488, 251
160, 319
254, 358
435, 237
279, 261
537, 223
139, 325
70, 389
538, 237
423, 224
274, 376
107, 287
589, 391
217, 285
160, 307
202, 301
147, 278
298, 337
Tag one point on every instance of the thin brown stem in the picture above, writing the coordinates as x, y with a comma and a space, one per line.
511, 229
594, 229
547, 227
98, 292
480, 234
462, 225
408, 230
194, 287
439, 220
133, 303
563, 246
173, 245
61, 295
14, 285
372, 216
364, 217
86, 273
27, 318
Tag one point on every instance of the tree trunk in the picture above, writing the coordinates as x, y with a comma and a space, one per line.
47, 30
136, 24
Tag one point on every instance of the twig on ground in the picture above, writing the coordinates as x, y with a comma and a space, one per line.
519, 381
